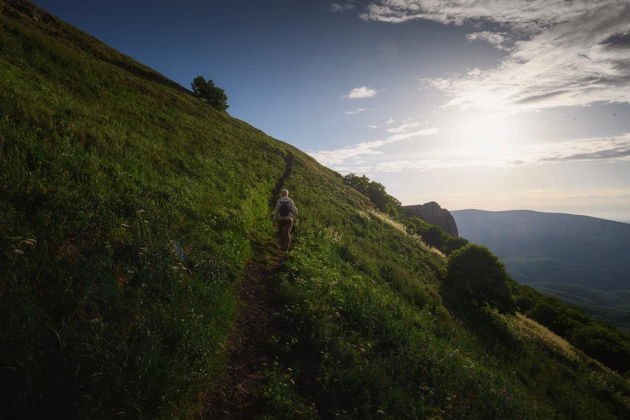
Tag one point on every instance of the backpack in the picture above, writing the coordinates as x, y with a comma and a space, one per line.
284, 209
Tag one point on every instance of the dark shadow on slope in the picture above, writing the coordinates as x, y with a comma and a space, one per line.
250, 349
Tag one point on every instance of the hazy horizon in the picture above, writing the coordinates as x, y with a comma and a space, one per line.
538, 211
494, 106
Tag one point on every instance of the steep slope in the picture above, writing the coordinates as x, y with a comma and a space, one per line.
129, 213
581, 259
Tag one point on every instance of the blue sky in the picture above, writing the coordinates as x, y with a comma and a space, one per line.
502, 104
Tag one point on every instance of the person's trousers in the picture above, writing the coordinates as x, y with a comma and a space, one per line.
284, 233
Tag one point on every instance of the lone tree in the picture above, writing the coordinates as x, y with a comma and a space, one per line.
209, 93
475, 277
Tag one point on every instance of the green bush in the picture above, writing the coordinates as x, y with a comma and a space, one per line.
604, 344
475, 277
433, 235
375, 192
607, 345
209, 93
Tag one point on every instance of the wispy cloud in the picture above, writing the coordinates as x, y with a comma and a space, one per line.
564, 52
496, 39
357, 111
341, 7
614, 148
596, 149
403, 127
361, 92
342, 155
524, 14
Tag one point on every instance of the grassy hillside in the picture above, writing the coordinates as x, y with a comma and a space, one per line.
128, 213
580, 259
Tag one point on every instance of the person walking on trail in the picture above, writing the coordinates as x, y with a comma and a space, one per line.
283, 214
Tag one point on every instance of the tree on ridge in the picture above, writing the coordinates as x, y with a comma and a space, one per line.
209, 93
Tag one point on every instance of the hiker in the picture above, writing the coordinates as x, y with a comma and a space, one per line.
283, 214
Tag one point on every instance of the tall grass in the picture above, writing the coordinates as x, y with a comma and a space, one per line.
366, 334
128, 210
126, 214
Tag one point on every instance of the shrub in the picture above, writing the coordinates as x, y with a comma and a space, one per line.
209, 93
604, 344
454, 243
375, 192
433, 235
475, 277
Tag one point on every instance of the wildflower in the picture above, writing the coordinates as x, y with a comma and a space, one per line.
18, 251
29, 242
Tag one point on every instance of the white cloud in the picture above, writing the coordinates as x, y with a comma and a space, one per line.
564, 53
612, 148
357, 111
595, 149
341, 7
496, 39
403, 127
340, 156
361, 92
523, 14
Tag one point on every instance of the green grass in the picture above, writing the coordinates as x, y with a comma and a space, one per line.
128, 210
108, 173
367, 334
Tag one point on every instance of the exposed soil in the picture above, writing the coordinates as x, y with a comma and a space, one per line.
250, 353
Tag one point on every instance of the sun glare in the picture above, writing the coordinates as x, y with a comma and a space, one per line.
484, 136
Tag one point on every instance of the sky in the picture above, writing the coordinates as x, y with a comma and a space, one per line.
486, 104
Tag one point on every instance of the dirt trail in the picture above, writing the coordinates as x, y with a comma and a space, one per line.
288, 159
250, 352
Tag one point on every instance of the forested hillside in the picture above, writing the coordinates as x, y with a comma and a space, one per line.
132, 217
580, 259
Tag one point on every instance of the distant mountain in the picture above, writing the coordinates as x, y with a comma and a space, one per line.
581, 259
434, 214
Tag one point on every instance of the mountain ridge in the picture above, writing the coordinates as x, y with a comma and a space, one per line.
562, 249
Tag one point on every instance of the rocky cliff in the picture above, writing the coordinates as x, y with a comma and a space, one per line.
434, 214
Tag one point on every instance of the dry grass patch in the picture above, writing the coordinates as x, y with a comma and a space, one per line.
400, 227
527, 329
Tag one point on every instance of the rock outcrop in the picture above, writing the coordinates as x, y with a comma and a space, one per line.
434, 214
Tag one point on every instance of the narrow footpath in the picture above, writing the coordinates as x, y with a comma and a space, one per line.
250, 352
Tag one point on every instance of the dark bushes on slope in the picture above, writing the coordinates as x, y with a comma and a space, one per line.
375, 192
604, 343
475, 277
433, 235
